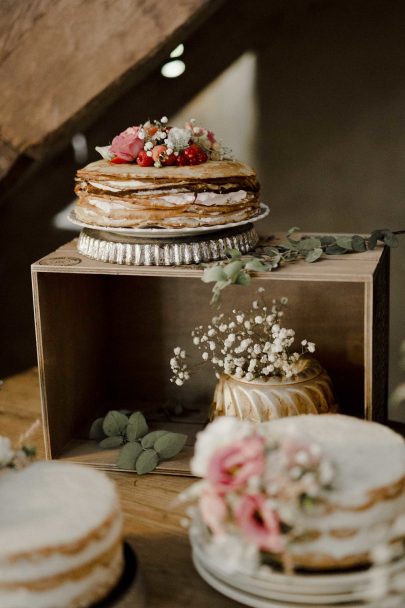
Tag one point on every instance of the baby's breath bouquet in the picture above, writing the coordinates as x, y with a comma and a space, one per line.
247, 345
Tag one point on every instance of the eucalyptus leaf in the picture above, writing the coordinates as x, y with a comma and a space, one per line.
137, 426
327, 240
308, 243
234, 254
292, 230
345, 242
111, 442
96, 430
243, 278
128, 455
149, 440
146, 462
256, 266
314, 255
114, 423
359, 243
214, 274
335, 250
232, 270
170, 444
390, 239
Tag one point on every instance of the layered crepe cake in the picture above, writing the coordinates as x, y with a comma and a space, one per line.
157, 176
61, 536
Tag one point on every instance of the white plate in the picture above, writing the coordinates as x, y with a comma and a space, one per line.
346, 586
169, 232
256, 601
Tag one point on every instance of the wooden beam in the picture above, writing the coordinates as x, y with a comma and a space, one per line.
62, 62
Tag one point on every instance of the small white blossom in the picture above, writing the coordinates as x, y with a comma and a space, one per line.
164, 119
205, 356
177, 350
259, 319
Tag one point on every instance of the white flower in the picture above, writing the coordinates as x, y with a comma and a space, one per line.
259, 319
255, 305
183, 354
249, 376
205, 356
196, 341
211, 345
311, 347
177, 350
304, 342
164, 119
261, 290
179, 382
178, 138
240, 318
6, 451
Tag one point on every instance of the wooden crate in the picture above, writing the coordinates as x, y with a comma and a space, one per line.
105, 334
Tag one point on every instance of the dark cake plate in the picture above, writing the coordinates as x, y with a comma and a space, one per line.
129, 591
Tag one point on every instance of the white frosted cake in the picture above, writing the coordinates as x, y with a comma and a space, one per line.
316, 492
368, 495
60, 536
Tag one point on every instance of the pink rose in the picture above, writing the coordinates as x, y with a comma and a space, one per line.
259, 523
213, 509
127, 144
232, 465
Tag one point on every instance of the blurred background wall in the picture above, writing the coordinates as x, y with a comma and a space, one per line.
313, 96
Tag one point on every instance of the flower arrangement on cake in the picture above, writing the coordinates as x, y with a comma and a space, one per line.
156, 143
252, 349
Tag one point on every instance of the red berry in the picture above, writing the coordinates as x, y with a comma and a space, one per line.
143, 160
195, 154
170, 159
182, 159
118, 161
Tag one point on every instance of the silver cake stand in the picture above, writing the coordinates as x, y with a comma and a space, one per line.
160, 247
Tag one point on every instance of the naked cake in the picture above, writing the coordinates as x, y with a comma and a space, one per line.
61, 536
159, 176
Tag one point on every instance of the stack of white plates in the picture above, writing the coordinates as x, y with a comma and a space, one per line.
269, 589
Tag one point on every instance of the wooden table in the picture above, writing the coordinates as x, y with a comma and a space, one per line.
150, 518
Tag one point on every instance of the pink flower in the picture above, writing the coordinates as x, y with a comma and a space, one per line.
211, 137
232, 465
127, 144
259, 523
213, 509
298, 453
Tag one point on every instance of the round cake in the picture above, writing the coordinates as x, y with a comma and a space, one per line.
158, 176
127, 195
315, 492
61, 536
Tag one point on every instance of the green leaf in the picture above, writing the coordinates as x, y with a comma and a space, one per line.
292, 230
137, 426
114, 423
243, 278
170, 444
128, 456
314, 255
375, 236
149, 440
233, 254
232, 270
308, 243
345, 242
327, 240
213, 274
256, 266
146, 462
335, 250
390, 239
111, 442
96, 430
359, 243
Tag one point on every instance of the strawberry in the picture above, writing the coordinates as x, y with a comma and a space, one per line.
143, 160
118, 161
182, 159
170, 159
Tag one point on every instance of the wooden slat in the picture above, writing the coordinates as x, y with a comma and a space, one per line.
62, 62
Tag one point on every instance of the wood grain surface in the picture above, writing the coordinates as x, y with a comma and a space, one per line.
151, 519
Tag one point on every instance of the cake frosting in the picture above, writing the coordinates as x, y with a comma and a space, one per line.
61, 536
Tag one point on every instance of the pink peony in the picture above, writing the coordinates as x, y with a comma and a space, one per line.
232, 465
259, 523
213, 509
127, 144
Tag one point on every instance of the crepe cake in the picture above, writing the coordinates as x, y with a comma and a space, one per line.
213, 193
61, 536
368, 498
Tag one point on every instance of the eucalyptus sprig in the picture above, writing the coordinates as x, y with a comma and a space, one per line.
236, 269
142, 450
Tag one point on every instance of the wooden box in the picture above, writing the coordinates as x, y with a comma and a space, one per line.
105, 334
